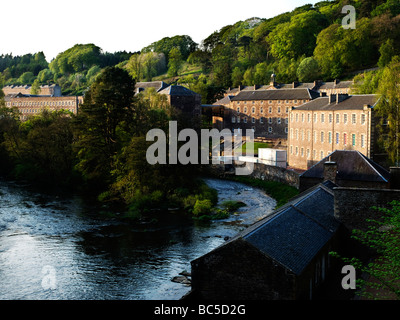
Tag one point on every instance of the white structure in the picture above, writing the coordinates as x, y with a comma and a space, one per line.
272, 157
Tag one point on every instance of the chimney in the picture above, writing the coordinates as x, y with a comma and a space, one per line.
273, 80
332, 98
341, 97
335, 82
295, 84
330, 171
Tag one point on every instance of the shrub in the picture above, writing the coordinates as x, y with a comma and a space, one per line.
202, 207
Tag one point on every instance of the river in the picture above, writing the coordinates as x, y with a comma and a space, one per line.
56, 247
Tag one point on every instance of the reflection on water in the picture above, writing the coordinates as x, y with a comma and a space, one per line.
54, 247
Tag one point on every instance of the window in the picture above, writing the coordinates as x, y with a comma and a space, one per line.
337, 138
302, 152
269, 120
297, 117
279, 109
238, 119
253, 110
322, 154
287, 109
279, 121
330, 118
286, 129
353, 140
270, 129
322, 118
353, 118
308, 135
362, 142
330, 137
315, 136
286, 120
270, 109
261, 110
363, 119
345, 139
309, 117
245, 119
297, 134
291, 149
253, 120
245, 110
308, 153
302, 134
337, 118
315, 154
238, 109
291, 133
297, 151
345, 118
233, 119
261, 120
315, 117
322, 137
302, 117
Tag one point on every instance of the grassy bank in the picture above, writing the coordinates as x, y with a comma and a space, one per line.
282, 193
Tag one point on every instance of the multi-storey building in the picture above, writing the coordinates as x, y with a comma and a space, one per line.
30, 105
329, 123
264, 111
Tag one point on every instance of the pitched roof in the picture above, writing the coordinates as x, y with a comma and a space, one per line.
351, 165
351, 102
224, 101
336, 85
177, 91
281, 94
298, 231
158, 85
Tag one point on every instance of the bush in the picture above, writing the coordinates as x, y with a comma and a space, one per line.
202, 207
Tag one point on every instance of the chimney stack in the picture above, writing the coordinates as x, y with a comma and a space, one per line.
330, 171
332, 98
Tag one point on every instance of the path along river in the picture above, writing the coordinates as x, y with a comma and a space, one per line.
57, 248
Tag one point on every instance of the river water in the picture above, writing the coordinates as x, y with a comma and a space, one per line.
59, 248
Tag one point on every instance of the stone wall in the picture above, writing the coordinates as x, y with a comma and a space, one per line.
273, 173
353, 205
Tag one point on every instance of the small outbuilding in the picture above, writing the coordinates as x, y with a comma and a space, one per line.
285, 256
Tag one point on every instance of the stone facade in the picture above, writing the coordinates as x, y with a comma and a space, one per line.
264, 111
32, 105
336, 122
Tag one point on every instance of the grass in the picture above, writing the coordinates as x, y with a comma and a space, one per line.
282, 193
255, 145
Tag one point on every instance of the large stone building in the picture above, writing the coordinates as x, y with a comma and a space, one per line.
329, 123
265, 111
30, 105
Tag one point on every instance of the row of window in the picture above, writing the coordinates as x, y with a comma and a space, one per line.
270, 130
261, 120
254, 109
271, 101
321, 117
321, 137
41, 103
38, 110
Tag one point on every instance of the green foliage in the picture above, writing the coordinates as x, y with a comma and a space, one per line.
202, 207
308, 70
383, 237
231, 205
388, 109
175, 62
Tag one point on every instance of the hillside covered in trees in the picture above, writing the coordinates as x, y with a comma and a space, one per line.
305, 44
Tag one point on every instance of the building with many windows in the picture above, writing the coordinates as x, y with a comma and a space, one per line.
329, 123
30, 105
265, 111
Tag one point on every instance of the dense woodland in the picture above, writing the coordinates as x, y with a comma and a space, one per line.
305, 44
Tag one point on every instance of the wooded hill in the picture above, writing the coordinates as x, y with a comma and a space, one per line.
305, 44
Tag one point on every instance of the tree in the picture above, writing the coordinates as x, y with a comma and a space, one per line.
388, 109
104, 120
308, 70
175, 62
387, 52
35, 89
382, 237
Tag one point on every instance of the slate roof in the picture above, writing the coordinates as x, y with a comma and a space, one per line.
281, 94
352, 102
177, 91
224, 101
158, 85
336, 85
352, 165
